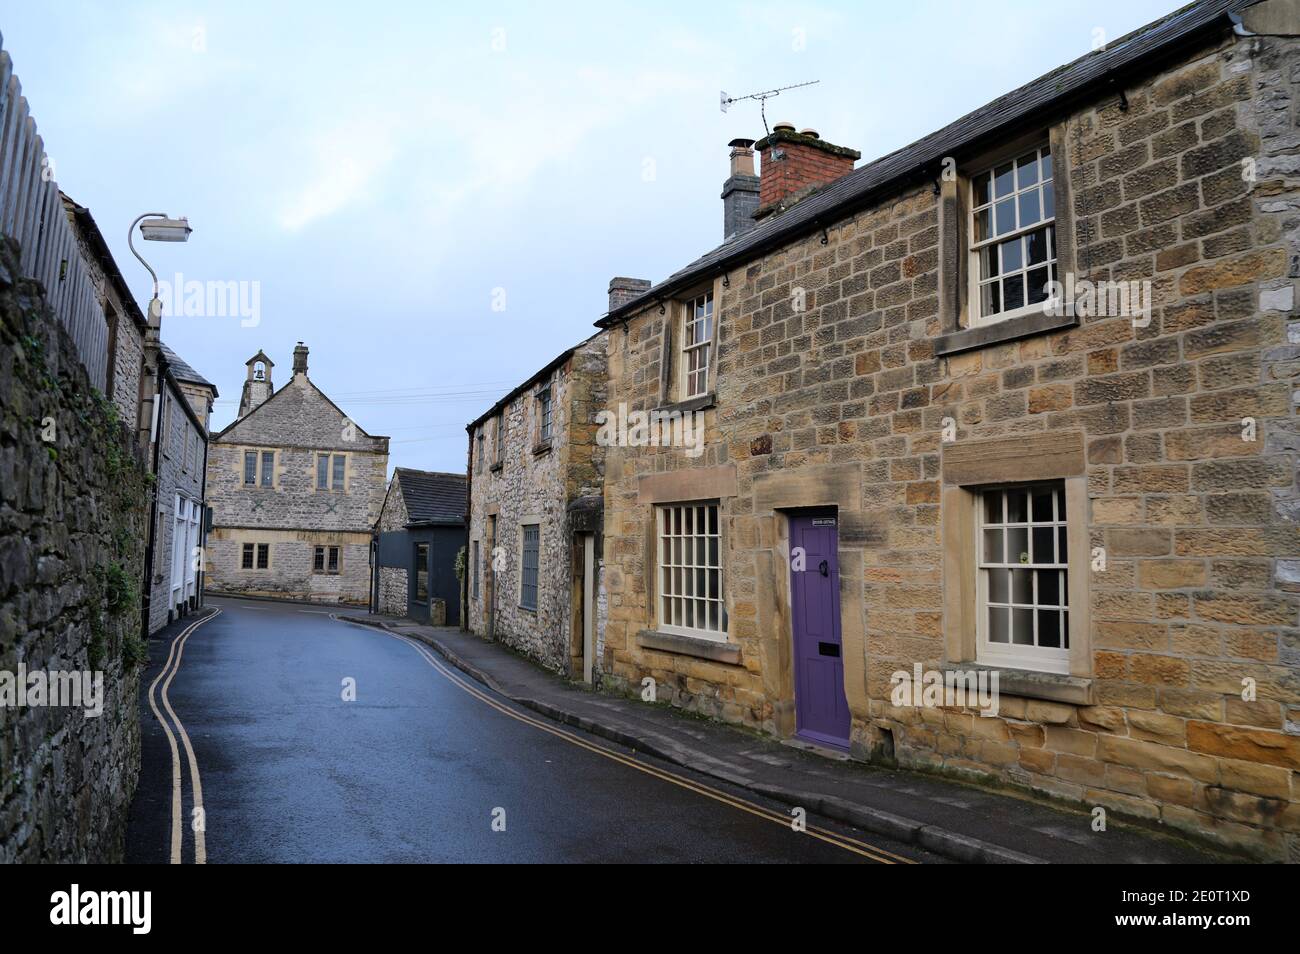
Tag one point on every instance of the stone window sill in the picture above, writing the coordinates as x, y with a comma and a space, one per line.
690, 646
497, 467
968, 339
689, 405
1029, 684
542, 447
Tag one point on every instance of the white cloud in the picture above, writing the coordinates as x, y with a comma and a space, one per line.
340, 167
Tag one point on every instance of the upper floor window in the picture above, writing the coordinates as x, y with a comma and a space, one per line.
544, 413
499, 439
330, 471
1023, 584
697, 340
259, 468
1013, 237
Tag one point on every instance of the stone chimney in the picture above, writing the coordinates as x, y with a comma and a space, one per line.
257, 386
795, 164
740, 191
623, 290
300, 359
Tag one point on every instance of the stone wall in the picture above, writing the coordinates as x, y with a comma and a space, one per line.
844, 403
393, 579
392, 590
292, 516
535, 485
72, 529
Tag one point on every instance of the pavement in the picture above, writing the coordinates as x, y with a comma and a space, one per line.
303, 738
951, 819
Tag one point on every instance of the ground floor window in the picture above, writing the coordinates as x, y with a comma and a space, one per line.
422, 572
474, 568
325, 560
1023, 566
689, 552
528, 578
255, 555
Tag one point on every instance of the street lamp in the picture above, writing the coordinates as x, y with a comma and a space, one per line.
158, 228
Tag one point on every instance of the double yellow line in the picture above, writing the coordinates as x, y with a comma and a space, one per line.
845, 842
165, 676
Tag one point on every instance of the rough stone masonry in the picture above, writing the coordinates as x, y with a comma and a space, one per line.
850, 376
72, 531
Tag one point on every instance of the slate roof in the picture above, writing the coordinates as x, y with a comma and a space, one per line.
182, 371
1133, 54
432, 497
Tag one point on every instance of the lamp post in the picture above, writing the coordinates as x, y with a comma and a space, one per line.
154, 227
158, 228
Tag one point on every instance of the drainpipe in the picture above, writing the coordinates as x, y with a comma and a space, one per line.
469, 568
201, 574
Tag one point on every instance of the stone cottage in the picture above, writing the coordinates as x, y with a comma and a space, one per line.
180, 455
535, 475
295, 487
1016, 399
420, 530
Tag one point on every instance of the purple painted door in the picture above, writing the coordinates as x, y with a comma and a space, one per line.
821, 709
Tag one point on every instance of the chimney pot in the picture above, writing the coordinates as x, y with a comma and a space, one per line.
783, 126
740, 190
809, 132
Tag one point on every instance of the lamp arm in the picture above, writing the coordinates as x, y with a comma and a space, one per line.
131, 245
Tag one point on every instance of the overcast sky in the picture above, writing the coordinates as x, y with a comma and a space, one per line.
387, 171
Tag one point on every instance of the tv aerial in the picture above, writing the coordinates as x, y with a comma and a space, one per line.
762, 98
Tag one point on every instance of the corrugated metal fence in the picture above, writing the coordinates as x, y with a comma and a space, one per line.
31, 212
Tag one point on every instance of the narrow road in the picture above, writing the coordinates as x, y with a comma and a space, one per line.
425, 765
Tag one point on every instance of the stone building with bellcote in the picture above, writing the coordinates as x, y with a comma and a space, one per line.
295, 487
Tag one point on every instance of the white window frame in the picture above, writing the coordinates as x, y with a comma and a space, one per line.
675, 595
180, 521
688, 344
976, 247
1024, 656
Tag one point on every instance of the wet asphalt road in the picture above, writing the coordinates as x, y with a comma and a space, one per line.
413, 770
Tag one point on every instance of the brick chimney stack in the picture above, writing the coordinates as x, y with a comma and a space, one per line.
795, 164
623, 290
300, 359
740, 191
